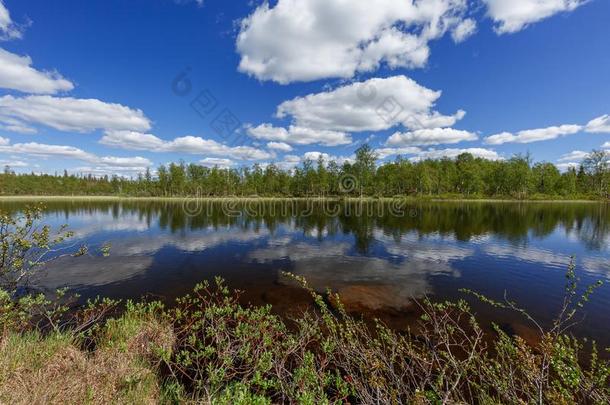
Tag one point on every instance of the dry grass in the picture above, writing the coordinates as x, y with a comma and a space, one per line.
55, 370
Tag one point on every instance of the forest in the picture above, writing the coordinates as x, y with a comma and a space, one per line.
465, 176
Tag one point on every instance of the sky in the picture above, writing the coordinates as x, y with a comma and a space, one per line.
118, 86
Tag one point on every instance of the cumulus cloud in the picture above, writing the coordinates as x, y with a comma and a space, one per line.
13, 125
8, 29
217, 162
464, 30
289, 162
4, 141
576, 155
128, 171
71, 114
17, 73
514, 15
418, 154
340, 160
599, 125
299, 135
198, 145
568, 165
374, 105
533, 135
281, 146
38, 149
453, 153
383, 153
132, 140
109, 163
14, 163
123, 162
186, 144
298, 40
606, 145
432, 136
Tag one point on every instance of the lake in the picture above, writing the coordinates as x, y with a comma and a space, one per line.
379, 256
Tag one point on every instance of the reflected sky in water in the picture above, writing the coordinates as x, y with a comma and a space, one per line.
378, 261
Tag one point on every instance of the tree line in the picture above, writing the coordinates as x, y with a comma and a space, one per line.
466, 175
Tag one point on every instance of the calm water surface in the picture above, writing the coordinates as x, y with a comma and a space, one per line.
379, 258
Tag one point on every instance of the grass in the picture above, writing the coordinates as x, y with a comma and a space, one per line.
109, 361
54, 369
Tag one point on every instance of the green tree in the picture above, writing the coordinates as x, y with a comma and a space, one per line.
365, 166
469, 175
163, 180
519, 175
596, 166
322, 177
546, 178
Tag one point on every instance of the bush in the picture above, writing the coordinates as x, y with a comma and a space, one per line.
26, 246
227, 352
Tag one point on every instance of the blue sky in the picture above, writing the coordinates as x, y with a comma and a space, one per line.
101, 86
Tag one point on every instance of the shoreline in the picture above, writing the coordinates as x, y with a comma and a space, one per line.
268, 199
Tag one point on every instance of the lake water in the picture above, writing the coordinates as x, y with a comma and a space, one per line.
380, 257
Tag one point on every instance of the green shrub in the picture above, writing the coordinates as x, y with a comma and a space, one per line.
226, 352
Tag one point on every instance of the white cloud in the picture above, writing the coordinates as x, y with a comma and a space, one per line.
533, 135
71, 114
599, 125
300, 40
340, 160
17, 73
187, 144
573, 156
432, 136
606, 145
109, 170
299, 135
14, 163
464, 30
212, 162
499, 139
453, 153
514, 15
374, 105
568, 165
132, 140
123, 162
199, 2
4, 141
281, 146
383, 153
8, 29
38, 149
70, 152
289, 162
197, 145
315, 156
13, 125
